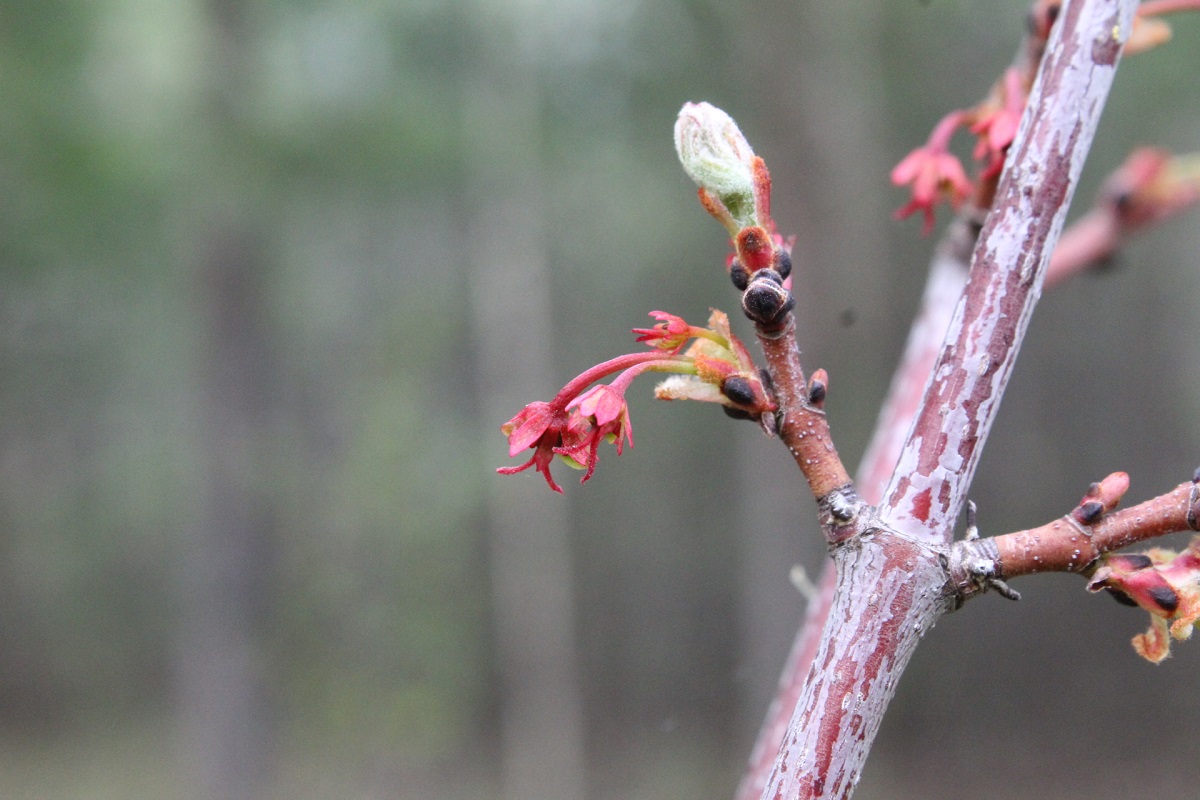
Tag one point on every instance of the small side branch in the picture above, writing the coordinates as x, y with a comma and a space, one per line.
803, 426
1069, 545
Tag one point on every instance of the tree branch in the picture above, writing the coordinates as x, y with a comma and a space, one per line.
891, 582
946, 279
804, 429
1069, 545
928, 487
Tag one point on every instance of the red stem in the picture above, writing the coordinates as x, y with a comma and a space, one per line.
803, 428
590, 376
1065, 545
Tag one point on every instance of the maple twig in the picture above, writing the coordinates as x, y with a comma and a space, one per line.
1148, 189
947, 276
804, 428
1068, 545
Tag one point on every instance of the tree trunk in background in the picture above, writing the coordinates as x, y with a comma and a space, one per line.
227, 730
533, 610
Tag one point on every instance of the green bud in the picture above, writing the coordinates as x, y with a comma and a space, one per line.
716, 155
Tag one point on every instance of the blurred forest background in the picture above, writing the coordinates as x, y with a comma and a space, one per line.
273, 273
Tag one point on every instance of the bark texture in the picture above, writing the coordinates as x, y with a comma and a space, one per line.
928, 489
892, 579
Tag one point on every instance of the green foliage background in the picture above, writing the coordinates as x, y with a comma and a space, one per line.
353, 143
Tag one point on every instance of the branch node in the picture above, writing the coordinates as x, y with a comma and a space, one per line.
839, 511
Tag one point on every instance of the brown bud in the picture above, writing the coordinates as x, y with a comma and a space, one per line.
739, 276
818, 387
767, 303
1089, 513
738, 389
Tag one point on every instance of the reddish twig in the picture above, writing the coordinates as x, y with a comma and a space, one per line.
803, 426
1145, 191
1070, 545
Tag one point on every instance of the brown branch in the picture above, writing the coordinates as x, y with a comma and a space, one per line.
1069, 545
803, 426
928, 487
946, 278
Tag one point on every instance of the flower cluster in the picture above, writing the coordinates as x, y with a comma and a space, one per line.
934, 174
716, 368
1165, 583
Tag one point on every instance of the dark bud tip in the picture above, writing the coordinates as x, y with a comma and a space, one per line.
1131, 561
1093, 490
737, 413
739, 276
738, 389
769, 274
816, 392
1120, 597
783, 263
1089, 513
1196, 476
766, 302
1123, 203
1165, 598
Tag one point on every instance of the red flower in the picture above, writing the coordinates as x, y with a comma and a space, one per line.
571, 426
605, 415
934, 175
997, 126
538, 425
1165, 583
671, 333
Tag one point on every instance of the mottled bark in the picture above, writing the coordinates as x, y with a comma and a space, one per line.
893, 577
928, 489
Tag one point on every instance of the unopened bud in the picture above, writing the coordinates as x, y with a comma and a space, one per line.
716, 155
818, 386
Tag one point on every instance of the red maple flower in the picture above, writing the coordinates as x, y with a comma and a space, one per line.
538, 425
671, 333
605, 415
934, 174
997, 125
